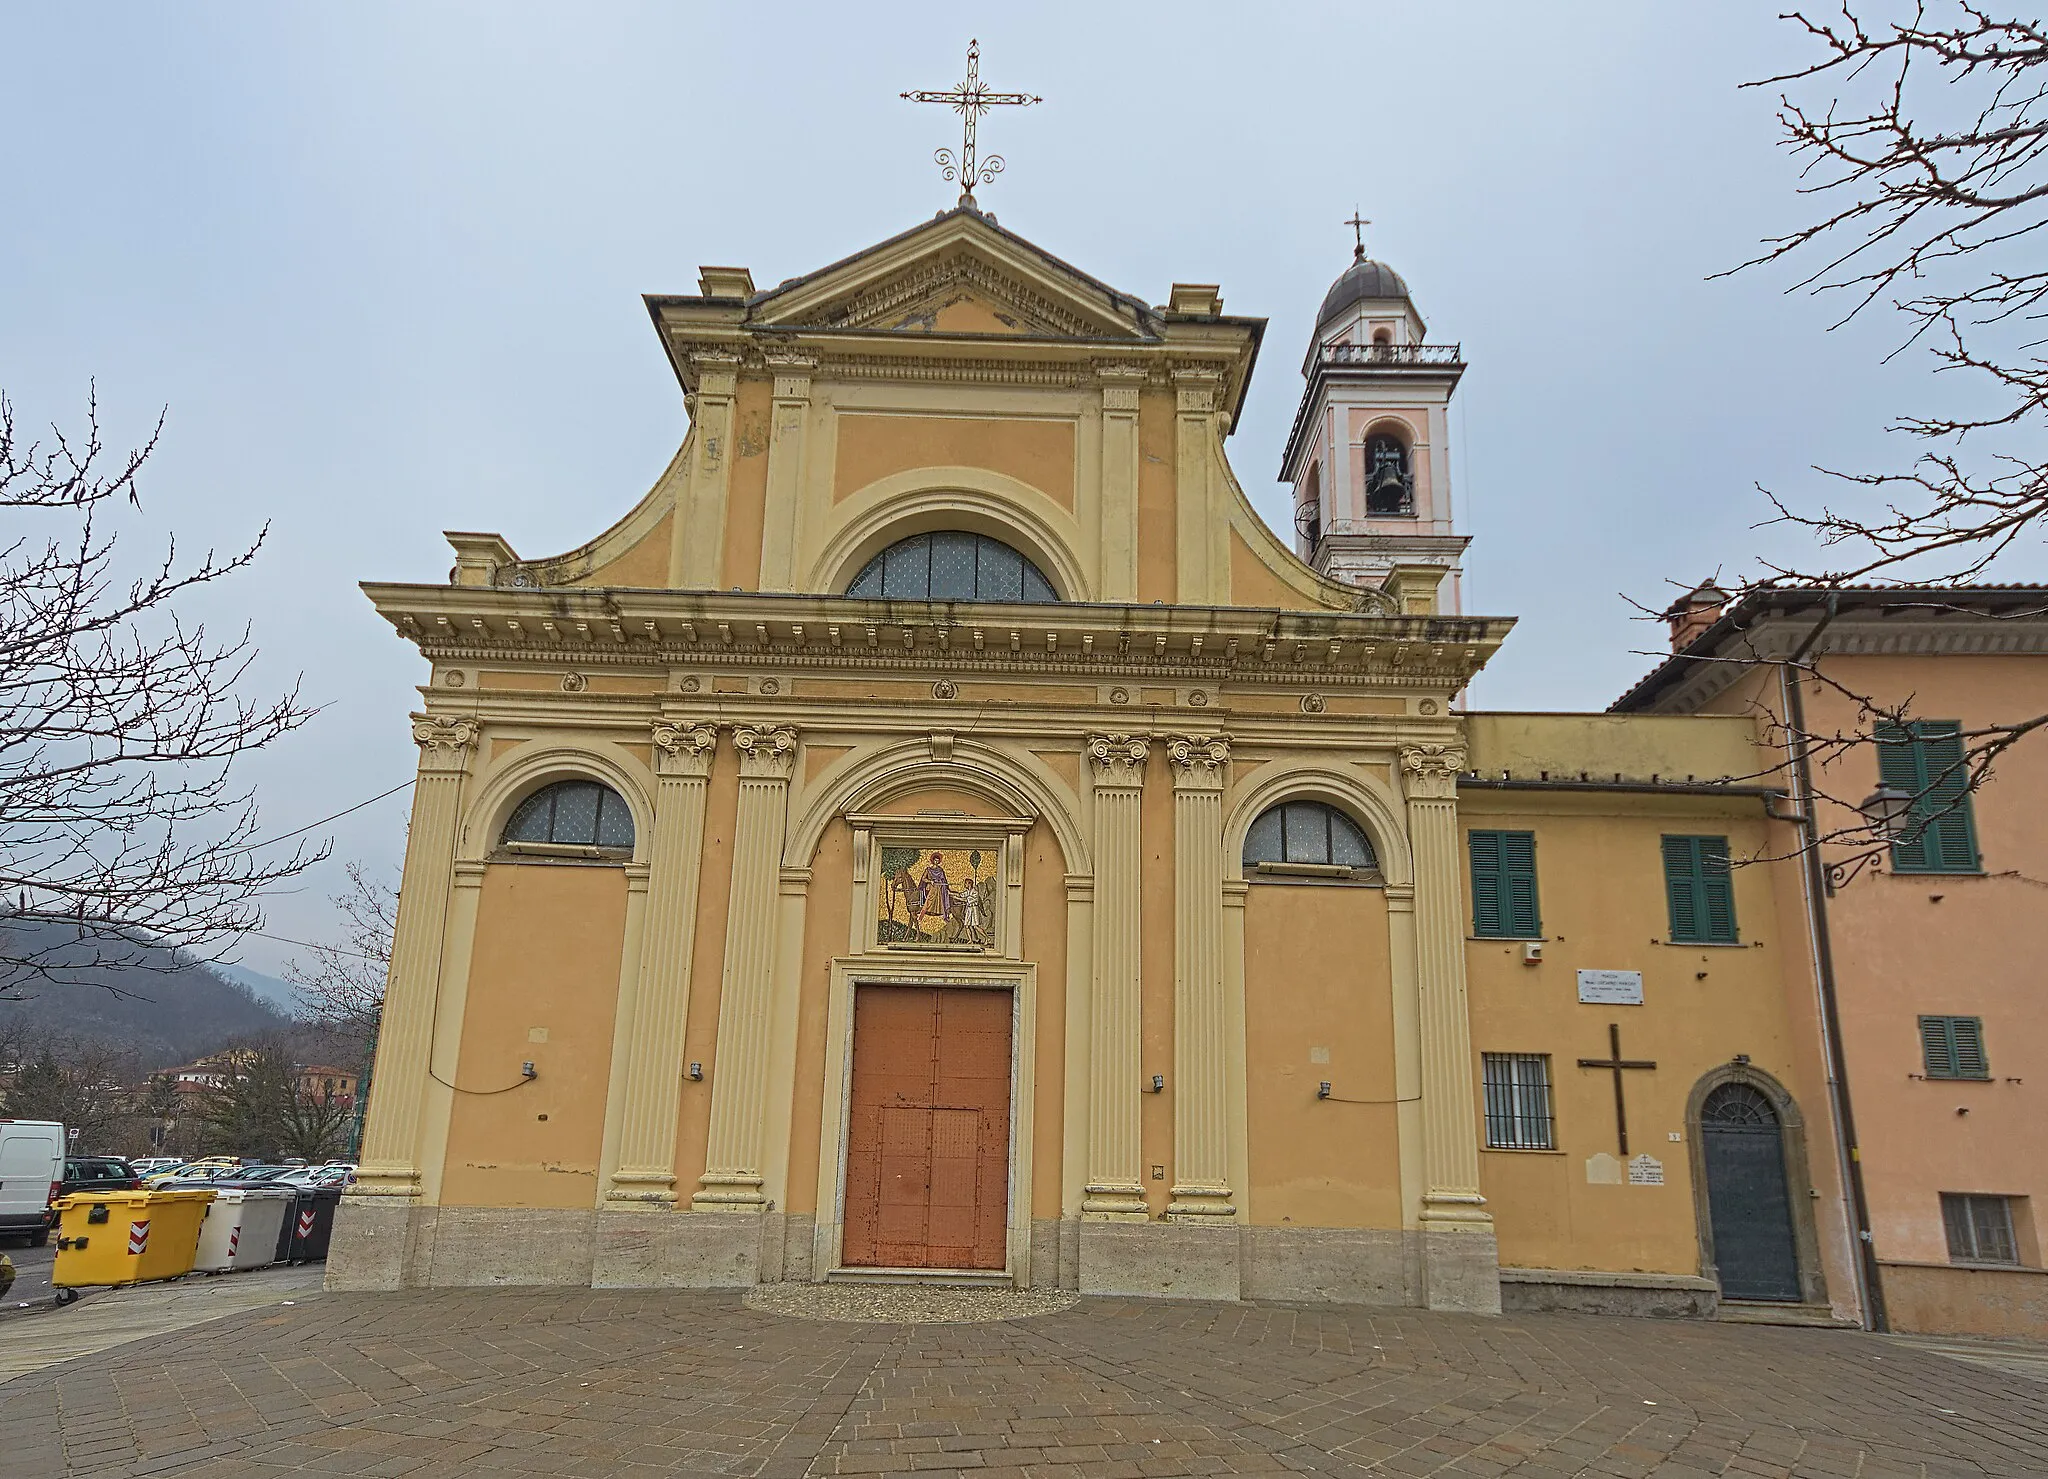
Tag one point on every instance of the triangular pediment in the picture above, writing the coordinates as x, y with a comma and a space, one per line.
959, 274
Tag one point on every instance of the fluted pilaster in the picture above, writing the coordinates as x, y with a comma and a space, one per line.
391, 1150
1201, 1123
1117, 763
1450, 1128
647, 1133
734, 1157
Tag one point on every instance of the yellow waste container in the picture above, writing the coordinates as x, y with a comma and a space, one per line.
126, 1237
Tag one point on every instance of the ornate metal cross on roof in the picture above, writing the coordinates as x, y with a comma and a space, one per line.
1358, 223
971, 99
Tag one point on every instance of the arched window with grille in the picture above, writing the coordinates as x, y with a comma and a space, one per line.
951, 565
1309, 837
576, 816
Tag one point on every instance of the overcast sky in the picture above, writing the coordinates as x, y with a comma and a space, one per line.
383, 263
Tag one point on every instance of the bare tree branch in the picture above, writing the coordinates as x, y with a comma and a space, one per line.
120, 726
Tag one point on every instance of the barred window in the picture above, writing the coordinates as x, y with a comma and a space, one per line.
1519, 1115
574, 814
1979, 1228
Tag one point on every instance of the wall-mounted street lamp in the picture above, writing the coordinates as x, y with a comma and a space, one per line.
1886, 809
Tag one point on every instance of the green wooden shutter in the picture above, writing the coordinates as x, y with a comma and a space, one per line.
1681, 887
1488, 915
1504, 884
1926, 760
1717, 889
1953, 1047
1518, 871
1968, 1036
1700, 887
1937, 1048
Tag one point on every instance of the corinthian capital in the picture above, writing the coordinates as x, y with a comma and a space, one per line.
684, 749
1119, 759
767, 751
444, 743
1198, 761
1432, 771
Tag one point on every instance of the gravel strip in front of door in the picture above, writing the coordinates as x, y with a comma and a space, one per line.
901, 1304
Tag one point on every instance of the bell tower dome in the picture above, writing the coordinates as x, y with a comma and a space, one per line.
1369, 454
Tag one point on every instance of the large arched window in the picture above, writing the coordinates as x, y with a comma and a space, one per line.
573, 814
1307, 833
951, 566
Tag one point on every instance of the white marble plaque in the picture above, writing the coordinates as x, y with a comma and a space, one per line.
1645, 1170
1611, 988
1603, 1170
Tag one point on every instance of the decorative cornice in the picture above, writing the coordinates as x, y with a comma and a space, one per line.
767, 751
588, 627
684, 749
1198, 761
445, 743
1431, 771
878, 305
1118, 760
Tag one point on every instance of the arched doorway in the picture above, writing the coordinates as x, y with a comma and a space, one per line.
1742, 1143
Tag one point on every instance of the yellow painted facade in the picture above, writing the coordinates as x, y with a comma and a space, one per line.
1234, 1074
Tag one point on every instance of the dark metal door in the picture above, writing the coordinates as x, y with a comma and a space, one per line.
1747, 1201
928, 1137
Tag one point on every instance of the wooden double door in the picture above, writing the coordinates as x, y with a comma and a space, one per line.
928, 1132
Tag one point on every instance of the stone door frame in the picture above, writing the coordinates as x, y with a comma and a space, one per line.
849, 973
1813, 1288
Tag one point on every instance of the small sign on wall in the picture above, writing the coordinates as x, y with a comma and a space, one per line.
1611, 988
1646, 1170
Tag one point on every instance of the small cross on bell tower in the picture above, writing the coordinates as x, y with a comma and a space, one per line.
1358, 223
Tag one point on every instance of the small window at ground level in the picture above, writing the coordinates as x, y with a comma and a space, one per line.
1518, 1108
574, 814
1979, 1228
1307, 832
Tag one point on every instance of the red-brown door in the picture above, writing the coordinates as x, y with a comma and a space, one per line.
928, 1138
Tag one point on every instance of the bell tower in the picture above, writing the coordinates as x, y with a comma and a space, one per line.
1369, 454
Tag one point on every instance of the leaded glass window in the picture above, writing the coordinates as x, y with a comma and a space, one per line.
951, 565
574, 814
1307, 832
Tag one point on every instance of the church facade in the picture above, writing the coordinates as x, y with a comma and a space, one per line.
940, 833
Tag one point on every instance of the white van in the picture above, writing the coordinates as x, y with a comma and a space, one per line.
31, 1166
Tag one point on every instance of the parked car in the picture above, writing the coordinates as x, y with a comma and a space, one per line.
96, 1173
31, 1170
149, 1165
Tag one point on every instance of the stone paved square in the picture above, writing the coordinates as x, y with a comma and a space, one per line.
641, 1383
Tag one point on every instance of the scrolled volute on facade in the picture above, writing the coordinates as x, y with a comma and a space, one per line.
684, 749
767, 751
1119, 759
1198, 761
1431, 771
445, 743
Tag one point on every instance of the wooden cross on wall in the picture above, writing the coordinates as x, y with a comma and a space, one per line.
1617, 1063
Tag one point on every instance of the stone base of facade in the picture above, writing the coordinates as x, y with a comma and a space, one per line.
390, 1244
1161, 1260
1333, 1265
1578, 1291
1461, 1269
1960, 1299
